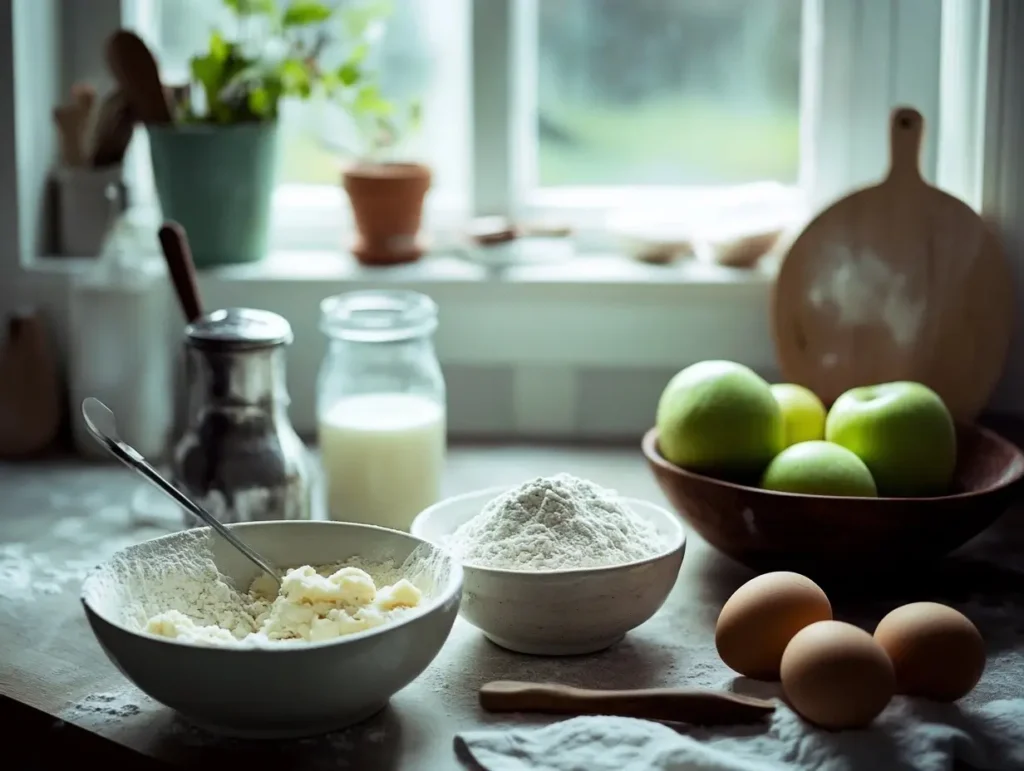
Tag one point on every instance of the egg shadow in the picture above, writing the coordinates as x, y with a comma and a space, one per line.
991, 595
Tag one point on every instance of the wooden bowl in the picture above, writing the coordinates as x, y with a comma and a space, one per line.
832, 536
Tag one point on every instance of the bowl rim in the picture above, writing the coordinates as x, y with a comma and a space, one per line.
676, 524
452, 589
649, 445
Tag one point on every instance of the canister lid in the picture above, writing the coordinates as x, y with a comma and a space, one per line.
238, 329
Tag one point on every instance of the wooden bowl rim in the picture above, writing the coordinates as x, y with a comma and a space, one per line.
649, 444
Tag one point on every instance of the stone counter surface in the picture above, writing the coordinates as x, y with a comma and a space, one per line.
60, 518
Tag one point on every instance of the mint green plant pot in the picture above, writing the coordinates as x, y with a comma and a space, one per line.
217, 181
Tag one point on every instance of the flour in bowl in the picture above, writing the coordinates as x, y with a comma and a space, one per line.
556, 523
311, 605
170, 587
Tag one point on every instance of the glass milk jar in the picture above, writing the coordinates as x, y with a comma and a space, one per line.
381, 407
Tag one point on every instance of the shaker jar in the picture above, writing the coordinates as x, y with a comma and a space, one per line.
239, 456
381, 407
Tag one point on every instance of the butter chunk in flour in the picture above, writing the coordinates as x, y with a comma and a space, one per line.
310, 606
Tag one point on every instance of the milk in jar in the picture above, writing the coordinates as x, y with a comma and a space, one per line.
381, 408
383, 456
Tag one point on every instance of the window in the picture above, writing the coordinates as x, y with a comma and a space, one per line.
422, 54
614, 103
668, 93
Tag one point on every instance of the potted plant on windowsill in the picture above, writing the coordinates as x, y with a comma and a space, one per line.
386, 193
214, 167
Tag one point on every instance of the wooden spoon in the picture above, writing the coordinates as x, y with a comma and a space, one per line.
114, 128
71, 127
681, 705
134, 67
898, 281
84, 96
174, 243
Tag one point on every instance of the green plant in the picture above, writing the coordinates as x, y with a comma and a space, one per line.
278, 53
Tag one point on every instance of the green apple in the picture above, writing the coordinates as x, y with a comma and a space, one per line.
819, 468
803, 414
902, 431
719, 417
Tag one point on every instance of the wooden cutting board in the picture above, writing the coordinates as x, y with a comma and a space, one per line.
31, 407
898, 281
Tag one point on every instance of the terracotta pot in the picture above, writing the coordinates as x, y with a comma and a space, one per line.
387, 201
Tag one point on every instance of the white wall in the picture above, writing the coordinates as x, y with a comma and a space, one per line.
1003, 173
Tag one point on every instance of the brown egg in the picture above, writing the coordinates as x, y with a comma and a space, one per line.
762, 616
836, 676
936, 651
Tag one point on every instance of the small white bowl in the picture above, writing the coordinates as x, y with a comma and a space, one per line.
289, 689
559, 612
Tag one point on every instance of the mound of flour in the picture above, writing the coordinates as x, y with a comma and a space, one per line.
555, 523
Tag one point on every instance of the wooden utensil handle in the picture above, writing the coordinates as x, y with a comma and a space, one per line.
114, 128
183, 272
135, 69
906, 128
684, 705
71, 123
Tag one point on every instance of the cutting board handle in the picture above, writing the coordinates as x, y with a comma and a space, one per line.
905, 132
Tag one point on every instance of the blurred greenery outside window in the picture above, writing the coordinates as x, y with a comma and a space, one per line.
638, 93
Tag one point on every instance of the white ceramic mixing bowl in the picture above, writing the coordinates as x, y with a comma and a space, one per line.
561, 612
296, 689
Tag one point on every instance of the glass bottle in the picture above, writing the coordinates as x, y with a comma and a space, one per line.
381, 407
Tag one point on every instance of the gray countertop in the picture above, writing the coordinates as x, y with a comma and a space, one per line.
59, 518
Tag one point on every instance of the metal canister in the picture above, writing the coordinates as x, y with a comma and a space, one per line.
239, 455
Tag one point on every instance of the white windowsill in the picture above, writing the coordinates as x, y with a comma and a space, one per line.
583, 269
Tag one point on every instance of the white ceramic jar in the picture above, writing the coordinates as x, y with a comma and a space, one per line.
119, 349
381, 407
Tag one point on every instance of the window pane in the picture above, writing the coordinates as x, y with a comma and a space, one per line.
419, 56
667, 92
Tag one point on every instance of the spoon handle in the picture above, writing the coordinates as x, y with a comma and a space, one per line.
681, 705
131, 458
180, 265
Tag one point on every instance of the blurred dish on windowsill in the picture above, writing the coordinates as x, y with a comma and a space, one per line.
732, 234
743, 250
498, 243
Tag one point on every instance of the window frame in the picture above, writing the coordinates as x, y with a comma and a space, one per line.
851, 45
842, 41
588, 206
855, 37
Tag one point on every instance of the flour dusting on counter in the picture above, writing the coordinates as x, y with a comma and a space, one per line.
556, 523
28, 572
107, 707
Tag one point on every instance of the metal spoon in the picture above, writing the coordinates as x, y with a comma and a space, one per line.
103, 426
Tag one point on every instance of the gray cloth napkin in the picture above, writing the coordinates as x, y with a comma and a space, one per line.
910, 735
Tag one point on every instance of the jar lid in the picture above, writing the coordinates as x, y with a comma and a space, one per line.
238, 329
378, 315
